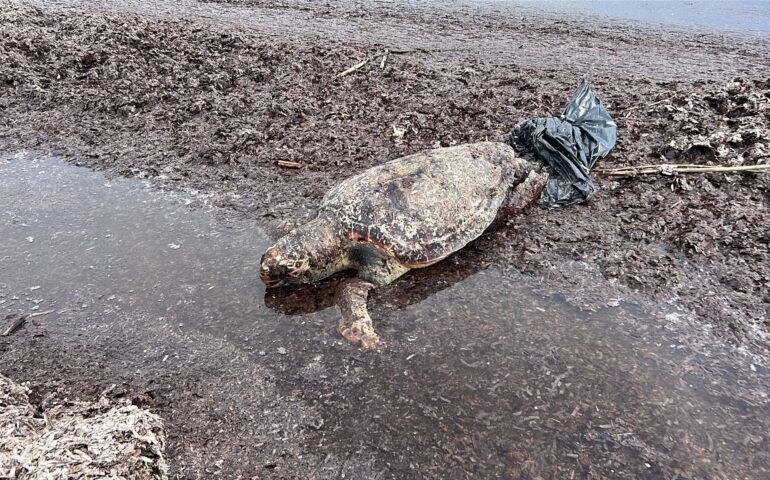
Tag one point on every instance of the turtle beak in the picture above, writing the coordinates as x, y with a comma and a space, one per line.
264, 275
271, 271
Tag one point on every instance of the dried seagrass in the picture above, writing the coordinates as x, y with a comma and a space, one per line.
104, 439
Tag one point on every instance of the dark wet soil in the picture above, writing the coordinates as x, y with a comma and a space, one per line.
207, 99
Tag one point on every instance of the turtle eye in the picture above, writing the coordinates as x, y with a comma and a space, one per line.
297, 268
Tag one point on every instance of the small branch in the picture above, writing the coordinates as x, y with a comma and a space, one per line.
416, 50
353, 68
15, 325
384, 59
19, 322
288, 164
665, 169
647, 105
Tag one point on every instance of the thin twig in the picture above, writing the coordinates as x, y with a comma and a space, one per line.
288, 164
647, 105
417, 50
15, 325
683, 168
353, 68
384, 59
19, 322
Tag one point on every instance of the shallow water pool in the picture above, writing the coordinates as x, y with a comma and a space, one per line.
481, 377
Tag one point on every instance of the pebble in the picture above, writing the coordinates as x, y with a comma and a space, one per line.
281, 351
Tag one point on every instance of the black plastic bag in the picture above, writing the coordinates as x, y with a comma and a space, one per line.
570, 145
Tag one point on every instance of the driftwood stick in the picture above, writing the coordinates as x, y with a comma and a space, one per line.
415, 50
353, 68
685, 168
288, 164
384, 59
19, 322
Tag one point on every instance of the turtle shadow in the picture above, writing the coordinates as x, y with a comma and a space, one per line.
412, 288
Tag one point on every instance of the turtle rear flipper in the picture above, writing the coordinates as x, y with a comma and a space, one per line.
356, 324
526, 193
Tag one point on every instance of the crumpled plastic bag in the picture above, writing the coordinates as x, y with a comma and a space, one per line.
570, 145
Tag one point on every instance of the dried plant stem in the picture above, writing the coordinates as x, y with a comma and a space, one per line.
637, 107
353, 68
288, 164
15, 325
19, 322
667, 169
384, 58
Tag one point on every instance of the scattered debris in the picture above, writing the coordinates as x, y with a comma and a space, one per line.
637, 107
103, 439
288, 164
398, 133
384, 58
353, 68
17, 324
666, 169
21, 320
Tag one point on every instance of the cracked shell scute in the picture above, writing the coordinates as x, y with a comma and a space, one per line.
425, 206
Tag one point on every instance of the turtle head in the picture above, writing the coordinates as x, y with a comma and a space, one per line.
286, 262
305, 255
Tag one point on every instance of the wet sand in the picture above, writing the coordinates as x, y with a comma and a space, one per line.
204, 98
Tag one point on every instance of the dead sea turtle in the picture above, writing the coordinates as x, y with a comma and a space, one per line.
408, 213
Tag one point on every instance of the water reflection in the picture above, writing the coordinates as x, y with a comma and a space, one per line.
414, 287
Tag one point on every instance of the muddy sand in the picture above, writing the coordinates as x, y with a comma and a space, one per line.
204, 99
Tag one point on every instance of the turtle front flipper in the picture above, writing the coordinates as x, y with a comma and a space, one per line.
356, 324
